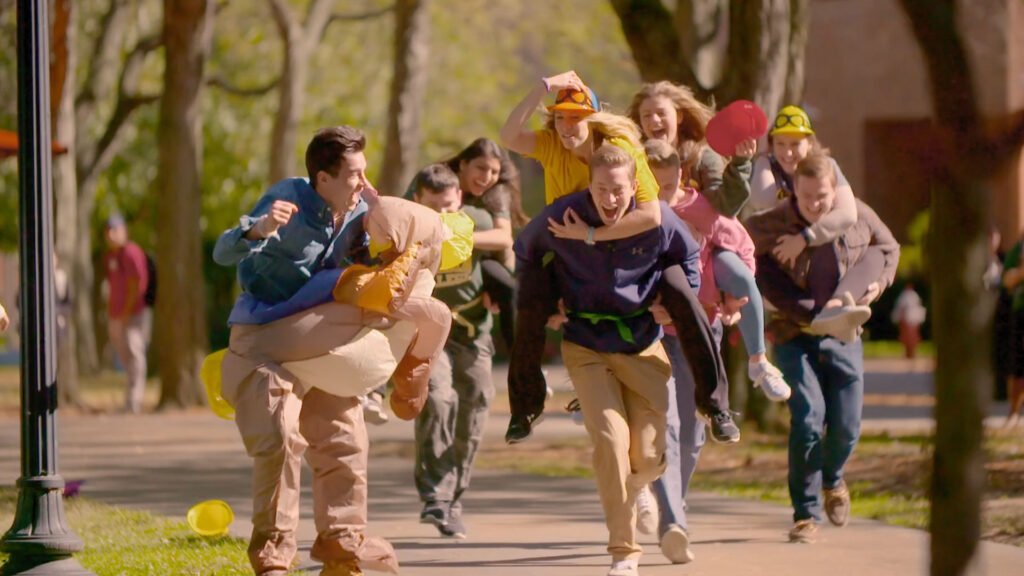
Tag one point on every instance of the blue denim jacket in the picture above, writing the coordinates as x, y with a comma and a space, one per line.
275, 272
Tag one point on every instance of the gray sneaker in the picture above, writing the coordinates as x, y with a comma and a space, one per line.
435, 513
723, 429
842, 321
453, 528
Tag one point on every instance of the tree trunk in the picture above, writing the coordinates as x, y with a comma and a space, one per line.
412, 49
759, 46
180, 309
765, 53
300, 42
962, 309
655, 42
63, 64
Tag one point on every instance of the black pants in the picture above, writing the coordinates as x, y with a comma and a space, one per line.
538, 299
500, 284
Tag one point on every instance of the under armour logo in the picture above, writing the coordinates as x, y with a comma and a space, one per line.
638, 251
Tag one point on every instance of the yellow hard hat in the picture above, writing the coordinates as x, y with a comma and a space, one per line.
792, 120
210, 375
459, 247
210, 518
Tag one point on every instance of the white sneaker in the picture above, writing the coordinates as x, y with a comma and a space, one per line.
624, 568
373, 409
646, 511
675, 545
769, 379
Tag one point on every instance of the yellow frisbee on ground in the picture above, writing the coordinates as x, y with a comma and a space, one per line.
210, 518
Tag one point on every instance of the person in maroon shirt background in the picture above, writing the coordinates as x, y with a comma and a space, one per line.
127, 277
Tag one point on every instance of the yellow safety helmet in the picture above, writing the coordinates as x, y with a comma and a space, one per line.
792, 120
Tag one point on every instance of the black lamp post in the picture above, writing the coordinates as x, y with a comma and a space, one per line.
39, 541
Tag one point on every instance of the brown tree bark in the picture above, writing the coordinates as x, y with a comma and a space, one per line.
962, 309
765, 54
180, 327
405, 108
64, 60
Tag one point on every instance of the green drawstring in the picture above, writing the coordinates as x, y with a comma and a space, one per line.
624, 332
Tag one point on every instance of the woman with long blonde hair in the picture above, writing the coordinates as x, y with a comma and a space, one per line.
670, 112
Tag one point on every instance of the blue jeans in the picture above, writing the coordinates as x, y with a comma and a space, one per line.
449, 430
827, 377
736, 279
684, 437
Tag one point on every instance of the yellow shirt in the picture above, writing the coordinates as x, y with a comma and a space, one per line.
564, 173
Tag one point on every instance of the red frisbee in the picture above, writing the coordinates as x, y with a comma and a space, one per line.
736, 122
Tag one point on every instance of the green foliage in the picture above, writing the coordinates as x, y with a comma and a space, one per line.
914, 254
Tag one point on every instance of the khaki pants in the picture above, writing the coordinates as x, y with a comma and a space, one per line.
624, 399
128, 336
279, 421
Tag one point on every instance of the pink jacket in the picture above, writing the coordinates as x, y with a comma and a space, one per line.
717, 233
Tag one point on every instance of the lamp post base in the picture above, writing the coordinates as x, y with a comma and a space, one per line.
40, 541
43, 565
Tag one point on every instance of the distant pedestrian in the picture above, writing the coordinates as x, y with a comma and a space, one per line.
127, 277
909, 314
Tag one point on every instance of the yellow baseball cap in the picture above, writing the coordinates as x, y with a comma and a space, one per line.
576, 100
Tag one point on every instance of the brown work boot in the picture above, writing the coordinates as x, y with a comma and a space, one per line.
372, 553
837, 504
342, 568
272, 554
410, 394
804, 531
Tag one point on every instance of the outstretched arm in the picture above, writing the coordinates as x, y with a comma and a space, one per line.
514, 134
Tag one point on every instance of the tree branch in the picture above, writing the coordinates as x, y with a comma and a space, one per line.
105, 148
283, 18
361, 15
226, 86
104, 56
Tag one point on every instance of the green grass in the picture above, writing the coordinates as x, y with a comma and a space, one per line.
893, 349
120, 542
888, 474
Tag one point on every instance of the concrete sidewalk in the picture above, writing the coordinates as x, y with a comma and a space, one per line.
518, 524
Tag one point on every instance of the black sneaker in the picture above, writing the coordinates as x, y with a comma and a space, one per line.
723, 429
435, 513
520, 427
453, 528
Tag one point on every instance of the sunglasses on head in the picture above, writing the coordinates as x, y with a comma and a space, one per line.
574, 96
791, 119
